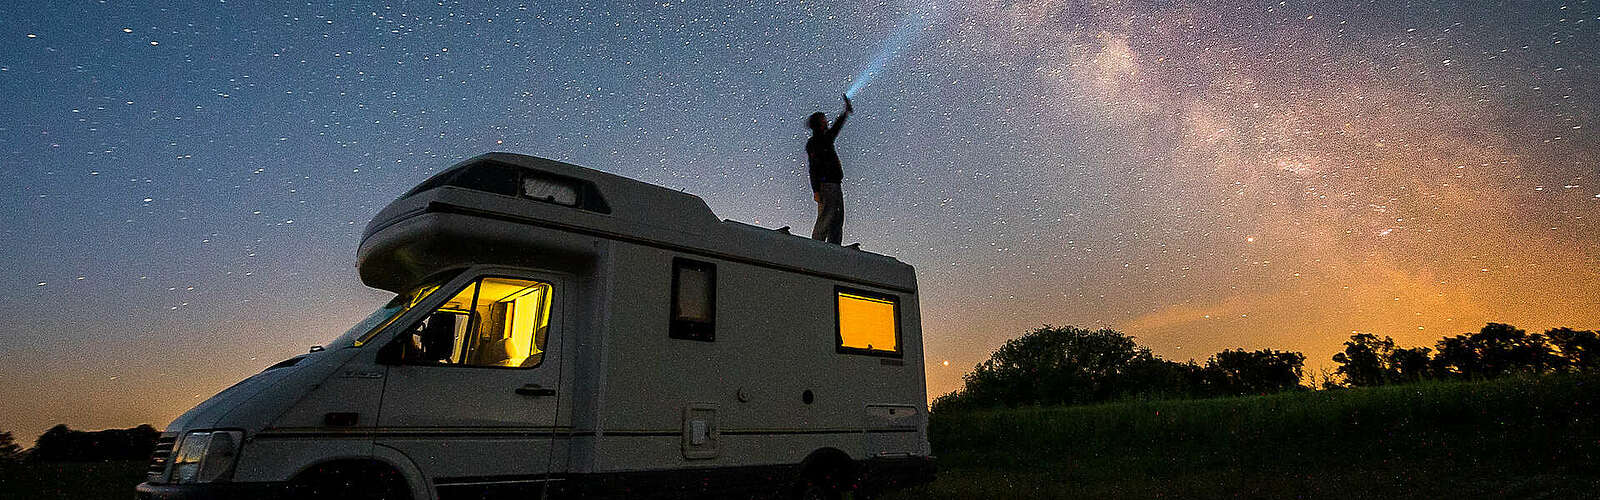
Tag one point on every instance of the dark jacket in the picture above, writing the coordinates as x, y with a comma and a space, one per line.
824, 160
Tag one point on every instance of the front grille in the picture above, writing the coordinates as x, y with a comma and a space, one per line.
159, 459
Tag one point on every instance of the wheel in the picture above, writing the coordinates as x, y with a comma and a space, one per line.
351, 481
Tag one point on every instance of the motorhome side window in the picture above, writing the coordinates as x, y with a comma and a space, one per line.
492, 322
555, 191
868, 322
694, 293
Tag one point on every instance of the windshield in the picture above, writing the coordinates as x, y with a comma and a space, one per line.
366, 328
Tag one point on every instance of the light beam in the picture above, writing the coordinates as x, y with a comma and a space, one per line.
913, 25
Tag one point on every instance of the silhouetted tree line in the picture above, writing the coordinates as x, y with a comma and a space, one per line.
1071, 366
8, 447
62, 444
1496, 350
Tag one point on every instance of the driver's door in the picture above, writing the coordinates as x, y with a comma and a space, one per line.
472, 399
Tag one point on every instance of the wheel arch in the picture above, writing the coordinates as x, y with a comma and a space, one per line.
829, 461
382, 456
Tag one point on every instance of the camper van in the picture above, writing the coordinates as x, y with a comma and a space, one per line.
560, 332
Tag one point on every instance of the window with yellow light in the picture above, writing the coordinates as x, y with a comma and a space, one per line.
492, 322
868, 322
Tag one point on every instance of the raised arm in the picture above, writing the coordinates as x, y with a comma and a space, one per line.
838, 123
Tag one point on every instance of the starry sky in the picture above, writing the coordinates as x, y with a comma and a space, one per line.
185, 186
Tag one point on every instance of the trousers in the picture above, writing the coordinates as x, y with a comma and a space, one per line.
830, 213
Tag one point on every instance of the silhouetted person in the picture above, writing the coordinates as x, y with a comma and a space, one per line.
438, 337
826, 174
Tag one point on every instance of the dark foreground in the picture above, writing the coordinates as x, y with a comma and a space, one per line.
52, 480
1509, 438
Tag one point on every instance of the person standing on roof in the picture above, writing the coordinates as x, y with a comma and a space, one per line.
826, 174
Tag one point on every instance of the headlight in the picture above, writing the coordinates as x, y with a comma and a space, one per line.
206, 456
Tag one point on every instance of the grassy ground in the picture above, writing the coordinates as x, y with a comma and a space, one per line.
70, 480
1510, 438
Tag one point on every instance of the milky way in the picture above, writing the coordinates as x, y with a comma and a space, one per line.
187, 185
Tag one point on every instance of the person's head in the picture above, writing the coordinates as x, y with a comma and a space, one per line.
818, 122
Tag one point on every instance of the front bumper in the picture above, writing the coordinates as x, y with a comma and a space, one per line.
206, 491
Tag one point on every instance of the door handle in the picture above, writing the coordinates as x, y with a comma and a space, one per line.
535, 391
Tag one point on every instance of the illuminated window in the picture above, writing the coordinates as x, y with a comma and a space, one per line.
694, 300
868, 322
492, 322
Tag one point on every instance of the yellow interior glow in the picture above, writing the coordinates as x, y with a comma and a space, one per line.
530, 315
461, 302
509, 317
497, 322
867, 323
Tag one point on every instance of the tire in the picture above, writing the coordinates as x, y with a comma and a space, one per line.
351, 481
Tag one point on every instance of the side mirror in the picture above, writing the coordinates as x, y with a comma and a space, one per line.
392, 353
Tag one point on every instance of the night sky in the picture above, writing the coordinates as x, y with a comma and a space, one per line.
184, 187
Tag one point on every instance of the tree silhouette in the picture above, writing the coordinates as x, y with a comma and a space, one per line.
1054, 366
1497, 349
8, 447
61, 443
1457, 358
1366, 360
1069, 366
1507, 349
1370, 361
1410, 364
1159, 378
1579, 349
1238, 371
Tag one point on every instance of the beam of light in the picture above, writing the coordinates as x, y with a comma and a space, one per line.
914, 23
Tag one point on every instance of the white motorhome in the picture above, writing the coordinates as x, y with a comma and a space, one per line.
560, 332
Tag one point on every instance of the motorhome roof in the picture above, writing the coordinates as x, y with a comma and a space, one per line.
547, 193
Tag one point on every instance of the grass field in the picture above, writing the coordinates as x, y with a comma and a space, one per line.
1509, 438
69, 480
